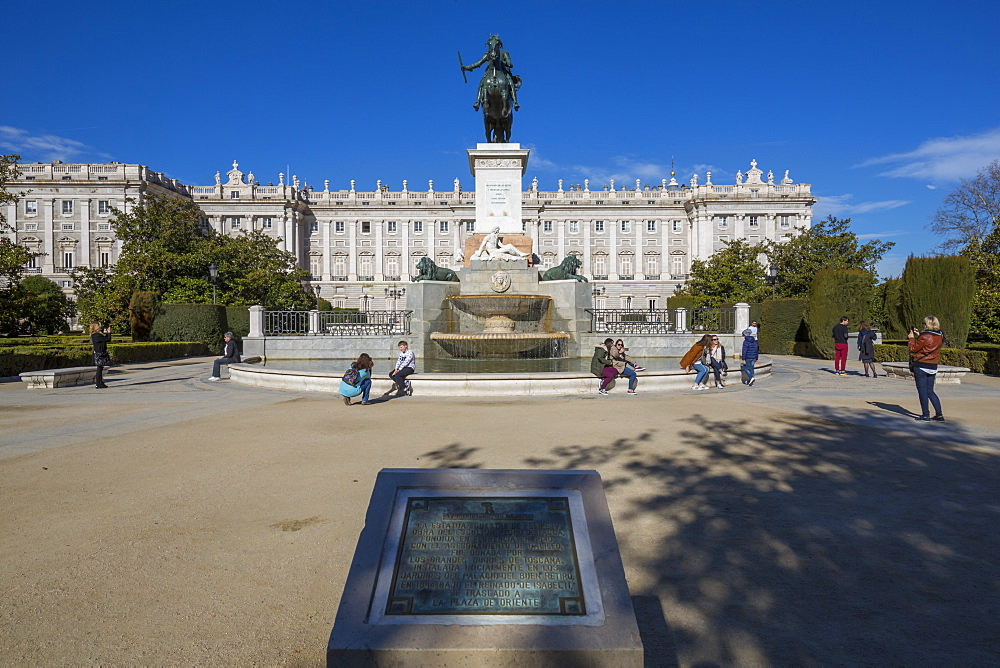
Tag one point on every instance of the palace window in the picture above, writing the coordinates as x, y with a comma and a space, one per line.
598, 225
753, 221
106, 227
266, 223
67, 206
723, 222
650, 225
234, 194
339, 265
443, 226
68, 226
390, 226
652, 265
68, 260
392, 265
524, 226
755, 194
31, 207
675, 226
418, 226
314, 226
366, 227
105, 258
626, 225
625, 266
547, 226
785, 221
338, 227
104, 207
31, 226
365, 266
574, 226
652, 303
470, 226
677, 266
600, 265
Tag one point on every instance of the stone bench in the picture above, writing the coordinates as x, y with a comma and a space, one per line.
951, 375
47, 379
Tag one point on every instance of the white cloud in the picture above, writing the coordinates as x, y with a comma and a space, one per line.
943, 159
43, 148
839, 205
881, 235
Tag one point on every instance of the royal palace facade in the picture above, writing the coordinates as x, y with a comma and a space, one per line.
636, 241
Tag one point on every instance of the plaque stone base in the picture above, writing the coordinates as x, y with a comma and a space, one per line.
460, 567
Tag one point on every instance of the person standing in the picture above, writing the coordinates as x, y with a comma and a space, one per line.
866, 347
364, 366
602, 365
230, 355
840, 347
100, 337
695, 358
925, 351
406, 364
749, 354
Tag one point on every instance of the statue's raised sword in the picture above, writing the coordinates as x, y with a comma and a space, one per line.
464, 78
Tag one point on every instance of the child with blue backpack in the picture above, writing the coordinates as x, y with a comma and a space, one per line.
357, 380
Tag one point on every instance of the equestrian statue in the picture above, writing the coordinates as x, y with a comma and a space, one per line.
497, 93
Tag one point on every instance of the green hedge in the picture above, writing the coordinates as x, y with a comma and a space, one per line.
992, 351
205, 323
975, 360
894, 322
943, 287
781, 325
686, 301
15, 359
238, 322
833, 294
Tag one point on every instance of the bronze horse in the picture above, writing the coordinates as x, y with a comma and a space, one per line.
497, 91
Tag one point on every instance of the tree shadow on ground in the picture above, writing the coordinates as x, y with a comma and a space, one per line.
811, 541
814, 542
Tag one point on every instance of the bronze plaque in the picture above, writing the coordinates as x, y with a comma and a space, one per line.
475, 555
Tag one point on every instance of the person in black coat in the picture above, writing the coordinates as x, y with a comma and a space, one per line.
100, 337
230, 355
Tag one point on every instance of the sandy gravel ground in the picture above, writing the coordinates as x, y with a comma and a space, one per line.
804, 521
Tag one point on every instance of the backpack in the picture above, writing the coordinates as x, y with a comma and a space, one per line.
352, 377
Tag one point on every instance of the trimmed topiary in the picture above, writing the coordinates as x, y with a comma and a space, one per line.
833, 294
205, 323
781, 325
141, 313
943, 287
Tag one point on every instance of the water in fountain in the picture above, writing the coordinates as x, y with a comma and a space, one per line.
501, 326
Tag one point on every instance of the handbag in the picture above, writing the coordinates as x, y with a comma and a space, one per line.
102, 359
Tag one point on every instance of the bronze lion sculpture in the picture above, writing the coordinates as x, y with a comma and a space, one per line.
428, 271
564, 271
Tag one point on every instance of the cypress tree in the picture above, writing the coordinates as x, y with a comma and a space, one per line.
943, 287
833, 294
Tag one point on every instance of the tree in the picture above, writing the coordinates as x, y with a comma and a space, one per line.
829, 244
942, 286
13, 257
834, 293
100, 299
733, 274
985, 257
46, 308
970, 211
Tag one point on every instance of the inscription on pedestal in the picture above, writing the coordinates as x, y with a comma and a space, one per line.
486, 556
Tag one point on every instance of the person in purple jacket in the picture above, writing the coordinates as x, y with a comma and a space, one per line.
749, 354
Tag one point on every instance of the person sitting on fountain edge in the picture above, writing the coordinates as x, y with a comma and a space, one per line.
405, 365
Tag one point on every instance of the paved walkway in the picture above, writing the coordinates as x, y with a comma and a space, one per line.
805, 521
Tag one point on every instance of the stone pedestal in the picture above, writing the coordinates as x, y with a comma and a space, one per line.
462, 567
430, 313
498, 169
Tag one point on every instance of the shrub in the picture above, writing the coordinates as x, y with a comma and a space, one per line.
686, 301
892, 322
238, 322
16, 359
141, 313
205, 323
835, 293
992, 351
781, 325
943, 287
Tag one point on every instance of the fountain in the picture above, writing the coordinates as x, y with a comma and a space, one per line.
500, 327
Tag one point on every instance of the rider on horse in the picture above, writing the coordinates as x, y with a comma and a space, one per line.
500, 67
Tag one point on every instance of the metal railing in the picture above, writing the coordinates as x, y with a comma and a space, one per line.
711, 319
278, 323
627, 321
366, 322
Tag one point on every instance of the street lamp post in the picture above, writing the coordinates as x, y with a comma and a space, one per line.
772, 278
394, 293
213, 273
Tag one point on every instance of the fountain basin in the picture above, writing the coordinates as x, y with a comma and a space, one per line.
498, 345
515, 307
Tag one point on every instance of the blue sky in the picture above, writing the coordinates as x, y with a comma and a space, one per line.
882, 106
